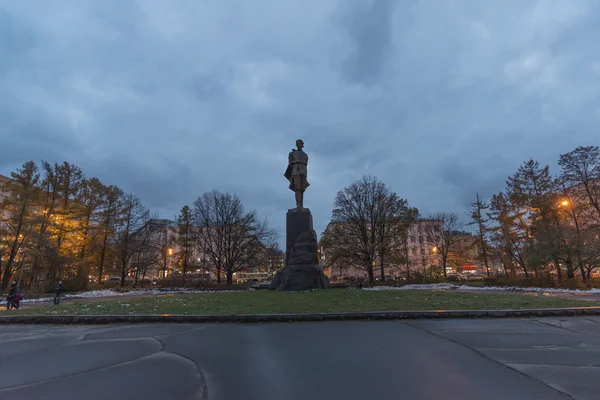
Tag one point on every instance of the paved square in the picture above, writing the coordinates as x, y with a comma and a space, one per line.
425, 359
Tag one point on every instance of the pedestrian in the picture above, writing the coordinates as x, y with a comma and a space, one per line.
58, 292
18, 298
13, 293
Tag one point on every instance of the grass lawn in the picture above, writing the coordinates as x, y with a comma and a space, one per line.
335, 300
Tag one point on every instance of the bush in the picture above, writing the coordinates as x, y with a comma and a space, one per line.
572, 284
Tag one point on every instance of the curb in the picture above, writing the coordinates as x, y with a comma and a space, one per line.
259, 318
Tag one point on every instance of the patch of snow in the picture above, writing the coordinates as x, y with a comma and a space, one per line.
451, 286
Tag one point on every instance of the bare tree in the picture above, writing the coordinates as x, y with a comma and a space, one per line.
232, 238
69, 181
368, 221
17, 217
478, 214
394, 220
533, 190
132, 217
150, 249
43, 253
509, 235
108, 215
443, 236
581, 168
87, 212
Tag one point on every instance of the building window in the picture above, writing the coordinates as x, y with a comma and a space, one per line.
421, 239
412, 239
414, 252
422, 252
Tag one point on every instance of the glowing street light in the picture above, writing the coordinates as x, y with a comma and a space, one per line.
564, 203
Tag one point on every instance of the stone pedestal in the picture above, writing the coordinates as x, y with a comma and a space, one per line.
302, 271
298, 221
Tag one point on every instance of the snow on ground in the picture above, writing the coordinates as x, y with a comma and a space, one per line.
450, 286
112, 293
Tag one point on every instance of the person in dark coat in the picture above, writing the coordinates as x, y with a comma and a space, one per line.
12, 296
58, 292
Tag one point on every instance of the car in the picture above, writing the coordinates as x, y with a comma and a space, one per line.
262, 285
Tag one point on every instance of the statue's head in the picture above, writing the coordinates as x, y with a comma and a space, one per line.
299, 143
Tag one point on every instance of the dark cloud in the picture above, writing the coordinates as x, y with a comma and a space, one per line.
438, 99
369, 27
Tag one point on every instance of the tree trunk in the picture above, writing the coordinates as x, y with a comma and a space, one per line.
522, 264
136, 278
485, 259
123, 274
570, 267
370, 274
583, 274
102, 258
5, 280
229, 277
444, 263
381, 266
558, 269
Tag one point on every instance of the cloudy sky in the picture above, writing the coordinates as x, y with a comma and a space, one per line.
169, 99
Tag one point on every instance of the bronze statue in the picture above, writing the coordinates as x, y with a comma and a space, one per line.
296, 172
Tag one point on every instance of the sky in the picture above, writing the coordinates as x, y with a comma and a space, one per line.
170, 99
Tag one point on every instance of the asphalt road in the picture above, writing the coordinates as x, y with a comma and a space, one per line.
429, 359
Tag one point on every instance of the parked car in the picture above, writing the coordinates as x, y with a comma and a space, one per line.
454, 277
262, 285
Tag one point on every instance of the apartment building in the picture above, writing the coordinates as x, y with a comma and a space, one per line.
421, 253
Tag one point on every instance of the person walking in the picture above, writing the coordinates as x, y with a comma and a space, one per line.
58, 292
13, 293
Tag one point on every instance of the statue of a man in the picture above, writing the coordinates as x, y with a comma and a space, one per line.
296, 172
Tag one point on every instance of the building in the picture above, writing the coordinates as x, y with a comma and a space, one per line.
163, 258
463, 255
416, 255
423, 237
3, 182
275, 260
3, 192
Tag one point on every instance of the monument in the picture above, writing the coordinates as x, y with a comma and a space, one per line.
302, 269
